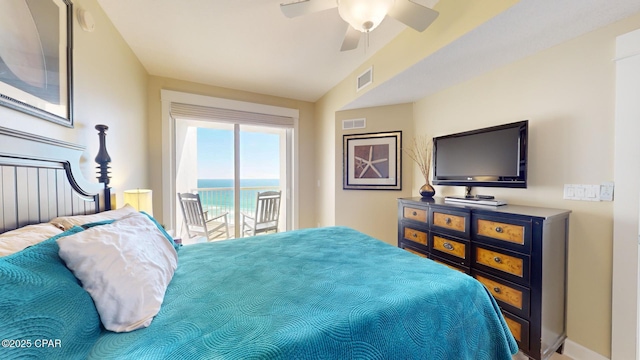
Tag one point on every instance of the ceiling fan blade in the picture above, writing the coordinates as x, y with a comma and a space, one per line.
351, 39
413, 14
303, 7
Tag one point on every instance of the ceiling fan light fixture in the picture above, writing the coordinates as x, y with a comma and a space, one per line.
364, 15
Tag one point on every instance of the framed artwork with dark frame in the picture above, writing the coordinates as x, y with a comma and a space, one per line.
36, 58
372, 161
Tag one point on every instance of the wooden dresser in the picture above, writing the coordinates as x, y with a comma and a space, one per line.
518, 252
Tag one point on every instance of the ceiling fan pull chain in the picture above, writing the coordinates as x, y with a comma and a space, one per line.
366, 41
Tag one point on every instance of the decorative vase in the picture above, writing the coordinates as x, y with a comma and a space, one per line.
427, 191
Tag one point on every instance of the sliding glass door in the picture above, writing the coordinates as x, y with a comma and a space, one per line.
263, 159
229, 163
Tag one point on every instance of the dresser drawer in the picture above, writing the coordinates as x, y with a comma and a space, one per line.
511, 296
510, 265
451, 221
519, 329
457, 250
414, 235
512, 234
415, 214
501, 231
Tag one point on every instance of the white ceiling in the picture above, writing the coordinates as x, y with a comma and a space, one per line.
249, 45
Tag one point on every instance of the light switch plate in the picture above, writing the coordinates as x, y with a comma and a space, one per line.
591, 192
582, 192
570, 192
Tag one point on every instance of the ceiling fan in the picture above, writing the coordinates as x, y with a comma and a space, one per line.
365, 15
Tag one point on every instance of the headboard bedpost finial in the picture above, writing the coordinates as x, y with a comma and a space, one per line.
103, 159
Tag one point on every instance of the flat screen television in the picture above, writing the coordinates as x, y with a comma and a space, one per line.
494, 156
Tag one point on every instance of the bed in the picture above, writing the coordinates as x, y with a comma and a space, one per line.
326, 293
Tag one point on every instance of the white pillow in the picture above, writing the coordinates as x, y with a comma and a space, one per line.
67, 222
125, 266
21, 238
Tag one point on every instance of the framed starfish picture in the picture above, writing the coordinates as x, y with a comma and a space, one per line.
372, 161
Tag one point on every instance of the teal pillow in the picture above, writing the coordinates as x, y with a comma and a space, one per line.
163, 231
44, 311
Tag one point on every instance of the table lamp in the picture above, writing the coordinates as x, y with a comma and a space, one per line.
140, 199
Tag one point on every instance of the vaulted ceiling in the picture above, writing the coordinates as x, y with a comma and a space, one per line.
250, 45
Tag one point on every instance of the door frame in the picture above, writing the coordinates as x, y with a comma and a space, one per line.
625, 315
167, 97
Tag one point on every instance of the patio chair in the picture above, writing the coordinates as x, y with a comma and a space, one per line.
265, 217
197, 221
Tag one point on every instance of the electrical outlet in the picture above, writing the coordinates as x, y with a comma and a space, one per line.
606, 191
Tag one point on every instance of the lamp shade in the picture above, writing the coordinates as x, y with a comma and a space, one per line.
364, 15
140, 199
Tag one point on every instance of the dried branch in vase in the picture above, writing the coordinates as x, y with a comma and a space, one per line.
420, 153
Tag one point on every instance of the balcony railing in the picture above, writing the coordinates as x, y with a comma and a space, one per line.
220, 200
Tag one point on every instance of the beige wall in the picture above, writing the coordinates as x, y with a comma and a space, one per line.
325, 127
373, 212
110, 88
567, 93
306, 140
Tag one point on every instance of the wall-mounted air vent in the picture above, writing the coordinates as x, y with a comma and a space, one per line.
354, 124
364, 79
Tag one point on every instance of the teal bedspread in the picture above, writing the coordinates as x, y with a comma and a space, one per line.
328, 293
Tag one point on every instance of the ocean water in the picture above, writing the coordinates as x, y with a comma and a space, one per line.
221, 199
216, 183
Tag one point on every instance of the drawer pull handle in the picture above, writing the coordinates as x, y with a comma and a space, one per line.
448, 246
415, 235
415, 213
498, 229
496, 290
447, 221
497, 259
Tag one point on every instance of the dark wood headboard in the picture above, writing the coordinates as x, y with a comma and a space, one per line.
40, 179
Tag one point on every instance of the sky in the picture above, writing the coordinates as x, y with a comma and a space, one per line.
259, 154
